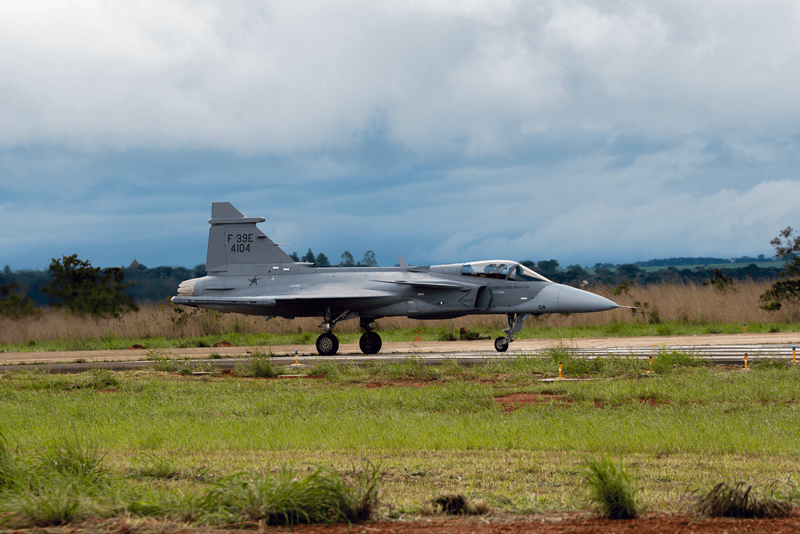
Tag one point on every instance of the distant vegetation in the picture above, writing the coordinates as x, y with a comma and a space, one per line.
666, 262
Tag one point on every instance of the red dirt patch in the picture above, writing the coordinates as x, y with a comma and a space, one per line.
223, 344
552, 523
518, 400
575, 523
396, 384
280, 377
654, 402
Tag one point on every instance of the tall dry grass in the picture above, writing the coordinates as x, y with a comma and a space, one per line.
689, 303
697, 304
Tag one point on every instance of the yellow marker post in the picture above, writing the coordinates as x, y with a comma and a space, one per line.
745, 361
559, 370
651, 364
745, 328
295, 358
793, 354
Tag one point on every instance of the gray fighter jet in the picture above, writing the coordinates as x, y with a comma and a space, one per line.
248, 273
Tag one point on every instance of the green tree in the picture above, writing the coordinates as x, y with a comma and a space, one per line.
294, 256
629, 270
576, 270
309, 257
347, 259
368, 260
13, 304
720, 281
548, 267
86, 289
322, 260
787, 247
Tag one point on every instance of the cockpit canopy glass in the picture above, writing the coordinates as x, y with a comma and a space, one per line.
502, 270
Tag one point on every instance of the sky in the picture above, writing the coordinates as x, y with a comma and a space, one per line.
447, 131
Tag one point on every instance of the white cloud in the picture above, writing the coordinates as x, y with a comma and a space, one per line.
286, 76
726, 222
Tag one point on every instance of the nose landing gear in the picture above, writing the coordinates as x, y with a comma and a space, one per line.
514, 322
327, 342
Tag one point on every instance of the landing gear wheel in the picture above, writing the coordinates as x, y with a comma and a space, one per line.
500, 344
327, 344
370, 343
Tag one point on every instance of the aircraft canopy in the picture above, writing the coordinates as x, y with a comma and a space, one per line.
503, 270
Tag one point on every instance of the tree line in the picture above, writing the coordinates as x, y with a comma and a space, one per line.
321, 260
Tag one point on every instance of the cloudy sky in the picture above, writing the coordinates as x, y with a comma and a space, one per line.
585, 131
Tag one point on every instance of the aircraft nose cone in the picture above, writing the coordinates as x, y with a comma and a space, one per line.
575, 300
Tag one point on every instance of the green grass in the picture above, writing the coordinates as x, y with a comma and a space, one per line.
425, 333
172, 444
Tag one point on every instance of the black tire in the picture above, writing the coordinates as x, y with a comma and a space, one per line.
370, 343
327, 344
500, 344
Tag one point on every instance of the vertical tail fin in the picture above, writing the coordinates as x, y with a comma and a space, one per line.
234, 239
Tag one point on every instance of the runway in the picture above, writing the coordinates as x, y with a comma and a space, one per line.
717, 348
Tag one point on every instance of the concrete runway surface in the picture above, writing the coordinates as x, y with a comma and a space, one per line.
721, 348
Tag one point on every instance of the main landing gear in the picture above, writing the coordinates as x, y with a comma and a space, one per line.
328, 343
514, 322
370, 342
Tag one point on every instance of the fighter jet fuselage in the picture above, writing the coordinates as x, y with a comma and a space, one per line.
249, 274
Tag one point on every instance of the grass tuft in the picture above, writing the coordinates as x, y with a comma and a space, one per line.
411, 369
258, 365
665, 361
290, 499
166, 363
9, 470
165, 468
738, 499
611, 488
53, 505
75, 460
